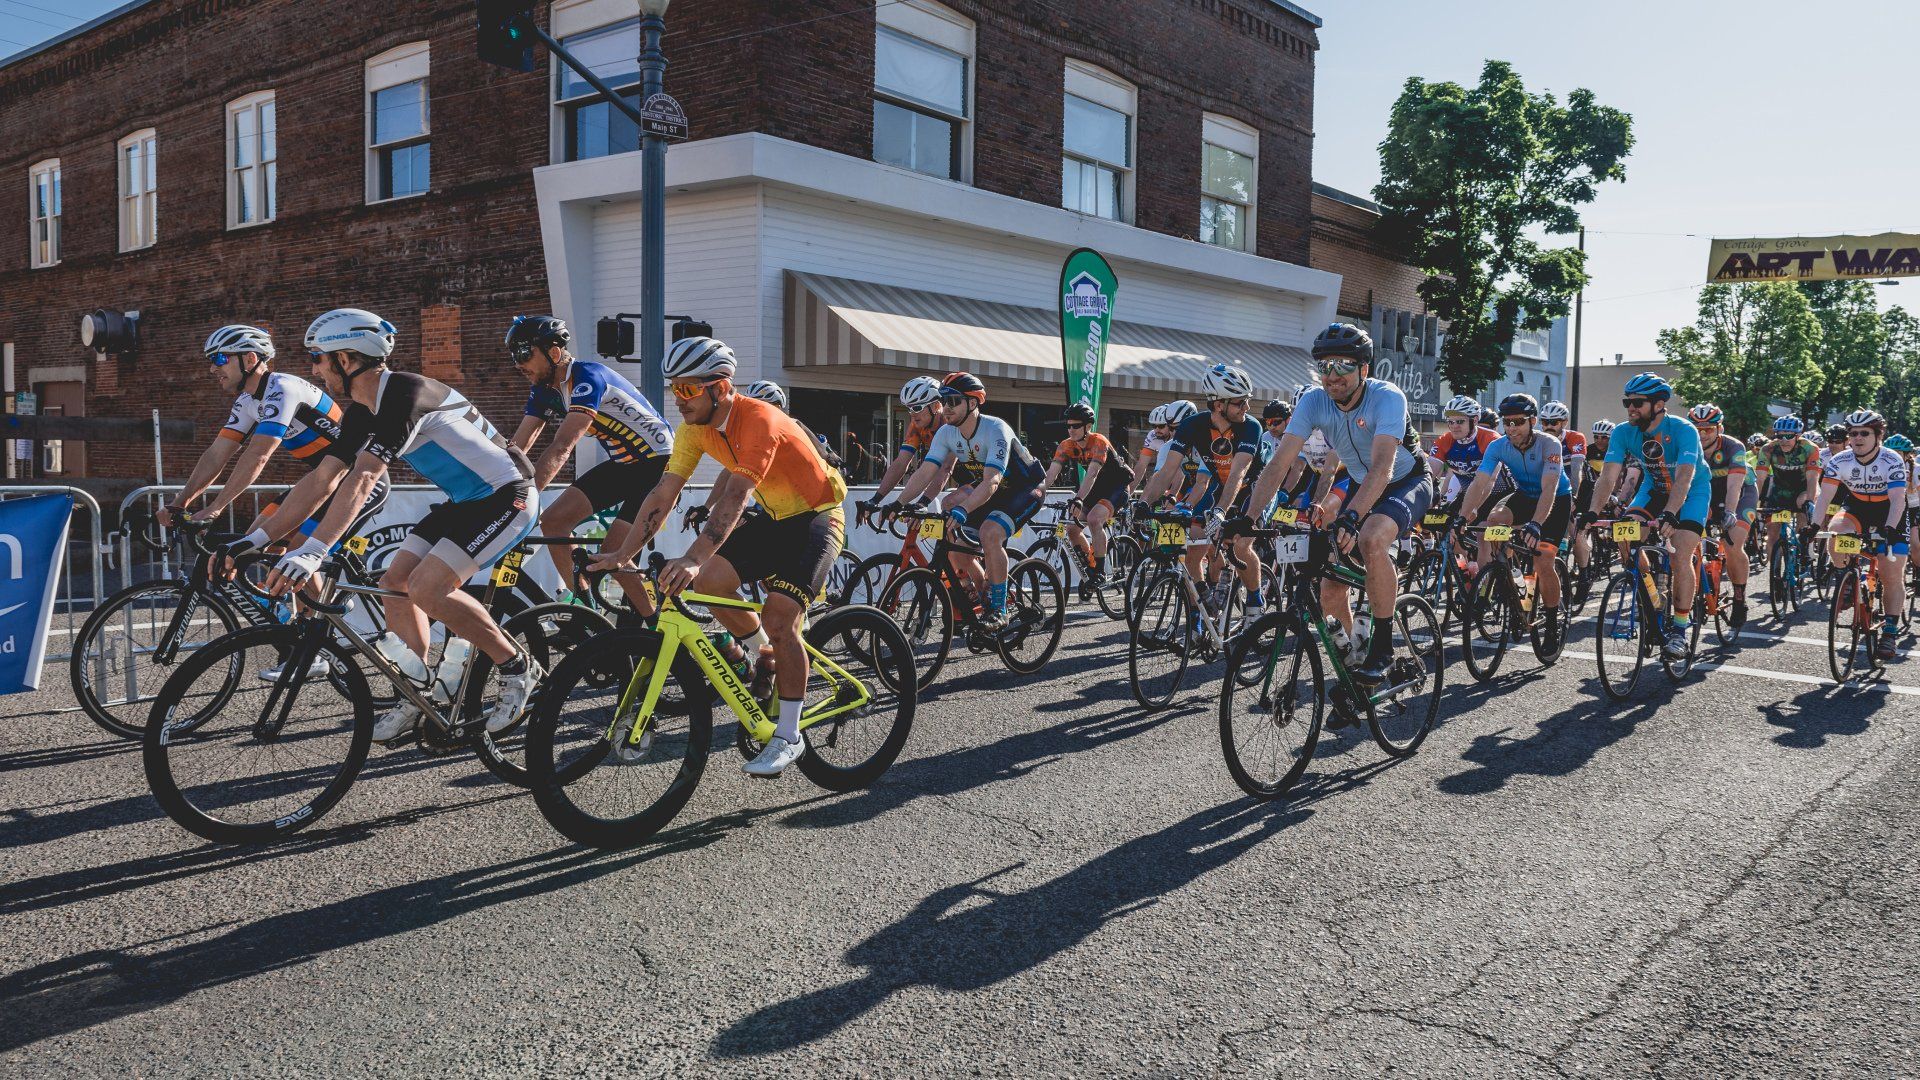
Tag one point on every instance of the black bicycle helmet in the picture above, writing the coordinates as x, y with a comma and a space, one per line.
965, 384
1080, 413
1519, 405
529, 331
1344, 339
1836, 434
1276, 410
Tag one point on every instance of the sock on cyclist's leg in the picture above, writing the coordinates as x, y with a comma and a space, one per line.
997, 596
788, 725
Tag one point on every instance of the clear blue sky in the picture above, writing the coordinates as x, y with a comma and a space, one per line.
1753, 118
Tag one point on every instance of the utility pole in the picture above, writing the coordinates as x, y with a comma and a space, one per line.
1579, 325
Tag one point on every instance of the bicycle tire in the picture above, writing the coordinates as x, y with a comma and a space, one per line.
546, 632
1844, 630
589, 679
886, 648
869, 582
1122, 553
80, 667
1294, 660
1052, 551
1038, 601
917, 601
166, 737
1620, 619
1165, 611
1678, 670
1486, 620
1419, 664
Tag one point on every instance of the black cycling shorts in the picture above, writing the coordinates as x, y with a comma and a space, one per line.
1554, 529
471, 536
625, 484
791, 557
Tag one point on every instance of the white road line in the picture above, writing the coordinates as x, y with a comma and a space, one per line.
1778, 676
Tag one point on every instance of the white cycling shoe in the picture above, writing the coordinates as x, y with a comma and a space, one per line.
775, 759
320, 668
396, 721
514, 692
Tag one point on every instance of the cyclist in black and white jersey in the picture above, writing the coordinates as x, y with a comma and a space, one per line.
491, 507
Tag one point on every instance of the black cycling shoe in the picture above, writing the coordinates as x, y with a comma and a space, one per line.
1373, 670
1886, 650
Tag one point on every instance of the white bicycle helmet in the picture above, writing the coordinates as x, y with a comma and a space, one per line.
767, 392
239, 338
1178, 411
920, 393
1463, 405
1555, 410
351, 329
1222, 382
1602, 427
699, 358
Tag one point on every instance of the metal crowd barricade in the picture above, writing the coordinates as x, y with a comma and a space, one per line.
82, 572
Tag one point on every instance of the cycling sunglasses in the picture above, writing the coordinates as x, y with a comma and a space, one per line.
1074, 425
220, 359
1514, 421
1337, 366
1635, 402
687, 391
1861, 433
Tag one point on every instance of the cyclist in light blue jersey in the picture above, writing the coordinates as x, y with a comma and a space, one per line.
1542, 495
1667, 449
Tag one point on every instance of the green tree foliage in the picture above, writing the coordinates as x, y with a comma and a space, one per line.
1468, 176
1750, 344
1900, 397
1853, 347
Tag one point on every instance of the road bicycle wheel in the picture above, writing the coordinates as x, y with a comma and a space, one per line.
868, 581
1487, 618
274, 757
1141, 577
1678, 670
1426, 575
1403, 710
546, 632
1270, 720
1620, 639
587, 790
850, 750
917, 601
1052, 550
1036, 617
1161, 640
1122, 553
1547, 647
839, 576
1849, 628
123, 654
1723, 628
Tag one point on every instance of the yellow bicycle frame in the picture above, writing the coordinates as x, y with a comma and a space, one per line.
678, 630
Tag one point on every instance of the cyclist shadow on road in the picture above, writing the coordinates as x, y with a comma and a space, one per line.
77, 992
969, 936
1808, 720
1559, 745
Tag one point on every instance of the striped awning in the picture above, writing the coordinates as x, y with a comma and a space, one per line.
833, 321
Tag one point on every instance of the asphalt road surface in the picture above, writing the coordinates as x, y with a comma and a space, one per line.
1717, 880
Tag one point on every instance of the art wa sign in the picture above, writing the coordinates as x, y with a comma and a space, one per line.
1815, 258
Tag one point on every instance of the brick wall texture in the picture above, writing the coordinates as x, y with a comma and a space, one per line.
450, 267
1345, 242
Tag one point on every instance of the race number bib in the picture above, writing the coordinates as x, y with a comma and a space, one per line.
507, 574
1781, 517
1626, 532
1171, 534
1497, 534
1286, 516
1847, 545
933, 529
1290, 549
1434, 520
357, 544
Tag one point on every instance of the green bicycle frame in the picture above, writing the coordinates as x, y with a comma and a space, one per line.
1323, 632
678, 630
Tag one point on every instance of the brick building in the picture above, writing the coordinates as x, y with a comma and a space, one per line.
866, 191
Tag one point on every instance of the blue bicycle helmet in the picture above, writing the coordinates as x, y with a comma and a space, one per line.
1787, 425
1649, 386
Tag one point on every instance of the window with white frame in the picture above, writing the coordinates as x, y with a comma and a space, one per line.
1229, 157
251, 161
137, 198
604, 35
1096, 166
398, 151
922, 88
43, 212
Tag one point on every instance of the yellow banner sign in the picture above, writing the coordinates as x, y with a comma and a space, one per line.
1815, 258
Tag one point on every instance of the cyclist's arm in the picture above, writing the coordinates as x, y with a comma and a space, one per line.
1549, 494
1682, 488
1603, 488
896, 469
982, 493
528, 433
1476, 493
300, 503
1053, 470
1086, 484
213, 459
253, 462
560, 449
1813, 480
928, 478
1379, 470
728, 501
1284, 458
367, 471
1140, 474
1164, 477
1328, 477
1827, 491
1236, 473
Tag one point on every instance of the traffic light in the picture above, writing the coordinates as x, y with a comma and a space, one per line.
613, 338
506, 36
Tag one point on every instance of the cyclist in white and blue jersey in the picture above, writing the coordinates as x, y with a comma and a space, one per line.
1667, 449
1542, 495
491, 507
1365, 421
583, 396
